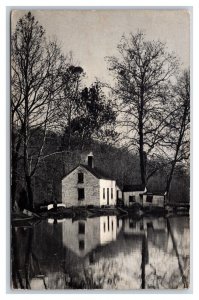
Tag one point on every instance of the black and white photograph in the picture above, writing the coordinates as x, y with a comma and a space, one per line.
100, 149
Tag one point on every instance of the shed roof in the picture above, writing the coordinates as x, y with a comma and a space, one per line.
133, 188
155, 193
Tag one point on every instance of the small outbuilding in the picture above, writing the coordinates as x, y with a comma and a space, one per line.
133, 194
154, 199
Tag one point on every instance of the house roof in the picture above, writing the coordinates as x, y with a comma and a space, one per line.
98, 173
133, 188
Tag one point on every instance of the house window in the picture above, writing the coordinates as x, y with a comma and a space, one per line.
112, 226
80, 177
131, 199
149, 198
111, 193
107, 196
80, 194
104, 193
104, 226
108, 223
81, 228
81, 245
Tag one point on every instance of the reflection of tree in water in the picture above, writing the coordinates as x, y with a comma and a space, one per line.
183, 261
163, 280
156, 280
147, 259
16, 276
91, 277
169, 269
25, 264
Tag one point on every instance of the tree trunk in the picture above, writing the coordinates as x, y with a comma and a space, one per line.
142, 154
28, 255
170, 179
180, 138
14, 161
144, 261
29, 192
14, 181
142, 165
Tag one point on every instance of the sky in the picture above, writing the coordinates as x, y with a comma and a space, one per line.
92, 35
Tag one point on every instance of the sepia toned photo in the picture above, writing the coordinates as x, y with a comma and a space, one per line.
100, 149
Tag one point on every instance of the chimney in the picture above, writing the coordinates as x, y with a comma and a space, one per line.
90, 160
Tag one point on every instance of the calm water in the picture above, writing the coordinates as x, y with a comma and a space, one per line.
102, 253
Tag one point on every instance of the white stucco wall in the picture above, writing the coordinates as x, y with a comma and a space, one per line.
70, 187
93, 189
136, 194
107, 184
158, 200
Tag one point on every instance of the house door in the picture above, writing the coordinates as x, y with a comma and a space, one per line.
107, 196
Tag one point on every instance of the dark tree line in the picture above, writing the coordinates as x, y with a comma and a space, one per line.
53, 114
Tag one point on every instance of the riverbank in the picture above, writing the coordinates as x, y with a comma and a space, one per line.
28, 218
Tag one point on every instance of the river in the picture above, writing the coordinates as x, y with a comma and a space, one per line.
102, 253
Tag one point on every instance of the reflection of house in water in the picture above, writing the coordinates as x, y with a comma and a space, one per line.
121, 261
155, 230
132, 226
119, 225
58, 255
81, 236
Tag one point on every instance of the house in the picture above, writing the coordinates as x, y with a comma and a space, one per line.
87, 185
154, 199
133, 194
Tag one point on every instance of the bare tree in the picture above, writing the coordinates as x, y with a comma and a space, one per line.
142, 74
36, 71
178, 124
